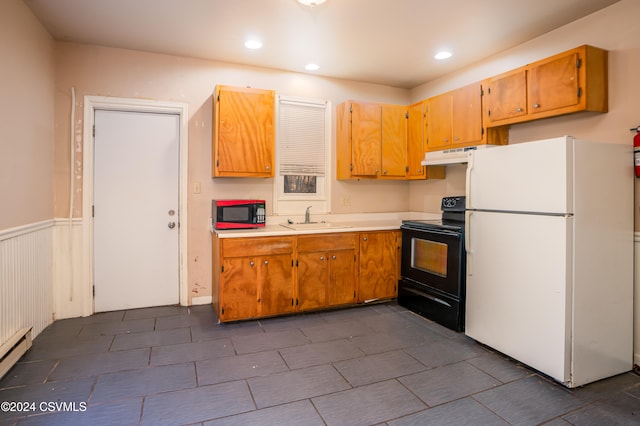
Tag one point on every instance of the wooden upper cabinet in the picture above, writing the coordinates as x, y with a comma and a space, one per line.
439, 118
466, 115
416, 131
371, 140
244, 132
394, 140
572, 81
365, 139
505, 96
455, 118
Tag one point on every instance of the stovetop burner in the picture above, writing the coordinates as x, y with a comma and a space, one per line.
453, 209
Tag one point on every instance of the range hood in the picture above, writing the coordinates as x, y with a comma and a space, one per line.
451, 156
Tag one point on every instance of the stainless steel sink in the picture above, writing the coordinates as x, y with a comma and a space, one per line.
314, 225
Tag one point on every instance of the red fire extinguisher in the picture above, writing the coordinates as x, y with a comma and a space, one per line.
636, 150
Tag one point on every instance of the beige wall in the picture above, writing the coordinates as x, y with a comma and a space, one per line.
614, 29
26, 117
100, 71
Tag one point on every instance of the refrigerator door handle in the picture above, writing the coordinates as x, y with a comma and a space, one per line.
469, 204
467, 241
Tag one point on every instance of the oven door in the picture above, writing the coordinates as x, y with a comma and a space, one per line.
434, 257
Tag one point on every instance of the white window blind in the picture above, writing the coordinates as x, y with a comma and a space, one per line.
301, 130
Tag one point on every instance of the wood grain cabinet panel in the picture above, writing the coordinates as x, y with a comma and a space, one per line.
505, 96
243, 132
371, 140
393, 161
255, 277
379, 265
327, 270
566, 83
455, 118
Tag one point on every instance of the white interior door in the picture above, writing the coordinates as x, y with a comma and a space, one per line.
136, 181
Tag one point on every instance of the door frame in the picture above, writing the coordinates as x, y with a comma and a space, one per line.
91, 104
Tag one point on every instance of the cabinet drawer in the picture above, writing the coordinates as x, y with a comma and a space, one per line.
241, 247
327, 242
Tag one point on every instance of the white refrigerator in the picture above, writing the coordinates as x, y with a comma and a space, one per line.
549, 240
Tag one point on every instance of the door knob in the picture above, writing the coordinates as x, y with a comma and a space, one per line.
171, 225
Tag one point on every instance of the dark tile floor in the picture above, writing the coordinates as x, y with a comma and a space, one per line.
371, 365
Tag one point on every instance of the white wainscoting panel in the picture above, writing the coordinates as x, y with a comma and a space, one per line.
26, 275
69, 292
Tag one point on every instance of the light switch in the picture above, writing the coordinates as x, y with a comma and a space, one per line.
196, 188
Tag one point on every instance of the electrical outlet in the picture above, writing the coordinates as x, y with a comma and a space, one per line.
197, 188
346, 200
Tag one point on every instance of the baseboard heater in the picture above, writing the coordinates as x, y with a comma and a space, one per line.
13, 349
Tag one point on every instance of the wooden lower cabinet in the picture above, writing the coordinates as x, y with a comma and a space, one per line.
327, 270
379, 265
267, 276
256, 277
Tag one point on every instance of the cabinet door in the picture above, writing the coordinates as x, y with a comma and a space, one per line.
554, 84
276, 284
365, 139
313, 273
415, 138
466, 115
238, 288
244, 133
342, 277
394, 141
379, 259
506, 96
439, 117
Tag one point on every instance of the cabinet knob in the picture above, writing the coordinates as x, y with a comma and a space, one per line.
385, 172
455, 138
519, 109
536, 105
251, 263
266, 262
321, 257
268, 167
445, 140
364, 239
333, 257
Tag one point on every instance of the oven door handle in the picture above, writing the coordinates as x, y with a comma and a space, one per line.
428, 296
433, 231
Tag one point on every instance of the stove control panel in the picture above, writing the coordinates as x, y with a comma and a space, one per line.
453, 204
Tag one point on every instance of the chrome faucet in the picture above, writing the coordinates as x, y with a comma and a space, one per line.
307, 215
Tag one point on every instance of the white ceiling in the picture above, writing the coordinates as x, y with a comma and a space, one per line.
390, 42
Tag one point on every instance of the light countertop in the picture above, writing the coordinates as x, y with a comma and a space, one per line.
343, 223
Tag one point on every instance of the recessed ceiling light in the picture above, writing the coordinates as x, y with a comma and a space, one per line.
253, 44
311, 3
312, 67
443, 55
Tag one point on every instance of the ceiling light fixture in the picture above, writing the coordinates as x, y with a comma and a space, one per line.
312, 67
443, 55
253, 44
311, 3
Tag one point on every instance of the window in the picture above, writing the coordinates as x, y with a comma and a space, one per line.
303, 156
